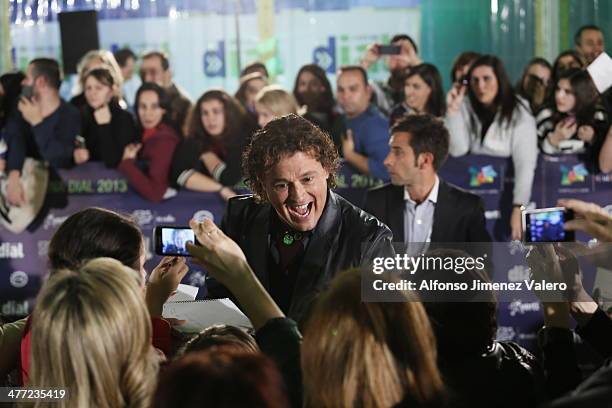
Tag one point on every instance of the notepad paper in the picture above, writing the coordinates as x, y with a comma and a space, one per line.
184, 293
600, 71
201, 314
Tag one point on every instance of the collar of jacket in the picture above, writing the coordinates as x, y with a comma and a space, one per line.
330, 217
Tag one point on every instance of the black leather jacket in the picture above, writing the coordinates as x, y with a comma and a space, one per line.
344, 237
507, 375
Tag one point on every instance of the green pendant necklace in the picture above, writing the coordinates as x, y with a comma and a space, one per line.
289, 238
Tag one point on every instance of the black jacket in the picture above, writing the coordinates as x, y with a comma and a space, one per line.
560, 360
458, 216
506, 376
107, 142
344, 237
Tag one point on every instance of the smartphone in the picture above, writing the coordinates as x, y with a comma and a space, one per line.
389, 49
171, 240
27, 92
546, 225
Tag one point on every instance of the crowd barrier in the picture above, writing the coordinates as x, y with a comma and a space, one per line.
23, 257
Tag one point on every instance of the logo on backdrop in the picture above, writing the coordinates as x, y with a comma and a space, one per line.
214, 61
18, 279
574, 174
325, 56
482, 175
518, 273
15, 308
53, 221
165, 219
505, 333
11, 250
43, 248
518, 307
143, 217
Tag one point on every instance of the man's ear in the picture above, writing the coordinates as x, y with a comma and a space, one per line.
425, 159
39, 82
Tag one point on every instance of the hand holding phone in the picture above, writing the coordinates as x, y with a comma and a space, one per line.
171, 240
547, 225
389, 49
27, 91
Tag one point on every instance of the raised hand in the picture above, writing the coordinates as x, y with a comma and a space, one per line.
454, 98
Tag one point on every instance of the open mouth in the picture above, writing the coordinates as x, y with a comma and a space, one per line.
299, 211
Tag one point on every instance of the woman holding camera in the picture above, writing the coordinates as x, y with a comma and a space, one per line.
492, 121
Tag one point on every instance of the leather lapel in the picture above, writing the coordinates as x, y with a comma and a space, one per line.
256, 246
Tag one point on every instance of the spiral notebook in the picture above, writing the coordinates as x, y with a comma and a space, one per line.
201, 314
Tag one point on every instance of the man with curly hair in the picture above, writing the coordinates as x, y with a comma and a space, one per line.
295, 232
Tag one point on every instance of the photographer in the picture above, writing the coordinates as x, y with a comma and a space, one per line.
559, 263
400, 55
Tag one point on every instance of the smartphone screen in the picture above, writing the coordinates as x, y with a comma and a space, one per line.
172, 240
389, 49
546, 225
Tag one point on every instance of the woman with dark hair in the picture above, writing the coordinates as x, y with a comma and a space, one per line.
10, 89
313, 90
209, 157
574, 123
566, 60
423, 93
106, 127
97, 232
159, 140
534, 85
492, 121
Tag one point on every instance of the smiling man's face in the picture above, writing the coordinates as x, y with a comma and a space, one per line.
297, 189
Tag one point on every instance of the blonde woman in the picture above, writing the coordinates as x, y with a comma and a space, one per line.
273, 102
97, 59
92, 337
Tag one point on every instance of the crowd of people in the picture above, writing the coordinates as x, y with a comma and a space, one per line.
151, 131
292, 253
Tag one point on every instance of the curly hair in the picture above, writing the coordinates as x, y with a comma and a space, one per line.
283, 137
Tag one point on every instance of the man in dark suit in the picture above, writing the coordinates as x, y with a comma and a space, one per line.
295, 232
418, 206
